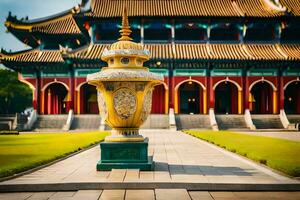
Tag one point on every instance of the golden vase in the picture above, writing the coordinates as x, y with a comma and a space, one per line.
125, 87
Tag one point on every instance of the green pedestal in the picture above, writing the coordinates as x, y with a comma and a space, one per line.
124, 155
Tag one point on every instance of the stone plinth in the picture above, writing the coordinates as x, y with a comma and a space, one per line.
124, 155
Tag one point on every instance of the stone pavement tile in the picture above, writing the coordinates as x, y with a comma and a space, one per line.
224, 179
40, 196
192, 169
150, 151
139, 194
160, 176
268, 195
217, 195
200, 195
167, 194
15, 196
196, 178
62, 195
146, 176
161, 166
287, 195
209, 170
179, 177
117, 175
99, 175
176, 169
132, 175
112, 195
87, 195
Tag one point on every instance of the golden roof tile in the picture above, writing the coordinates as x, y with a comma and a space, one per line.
64, 25
291, 50
165, 51
292, 5
32, 56
257, 8
236, 8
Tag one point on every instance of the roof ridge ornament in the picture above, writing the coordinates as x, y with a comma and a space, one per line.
125, 29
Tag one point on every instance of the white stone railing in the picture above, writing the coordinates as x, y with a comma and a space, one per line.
212, 119
31, 120
283, 118
68, 124
248, 120
172, 121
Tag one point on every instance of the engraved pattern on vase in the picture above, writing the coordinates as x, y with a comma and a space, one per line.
147, 105
124, 102
102, 105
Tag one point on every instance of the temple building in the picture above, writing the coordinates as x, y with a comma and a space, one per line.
219, 58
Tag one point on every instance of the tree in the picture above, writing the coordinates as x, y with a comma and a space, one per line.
15, 96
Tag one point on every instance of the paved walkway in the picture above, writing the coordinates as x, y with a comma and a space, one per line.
181, 161
288, 135
158, 194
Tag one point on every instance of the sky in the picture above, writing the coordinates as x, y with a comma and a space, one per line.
31, 8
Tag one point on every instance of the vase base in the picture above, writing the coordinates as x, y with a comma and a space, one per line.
123, 138
125, 155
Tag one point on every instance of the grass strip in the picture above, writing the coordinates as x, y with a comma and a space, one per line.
22, 152
279, 154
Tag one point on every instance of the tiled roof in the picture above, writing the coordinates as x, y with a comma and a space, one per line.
292, 5
291, 51
92, 52
263, 52
257, 8
33, 56
65, 25
171, 52
162, 51
205, 51
59, 24
237, 8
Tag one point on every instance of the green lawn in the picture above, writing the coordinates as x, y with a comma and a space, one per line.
280, 154
25, 151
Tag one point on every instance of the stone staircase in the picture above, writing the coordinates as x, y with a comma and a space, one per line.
236, 122
294, 119
21, 121
86, 122
186, 121
6, 122
267, 121
156, 121
50, 122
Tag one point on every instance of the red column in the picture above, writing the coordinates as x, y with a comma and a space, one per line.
42, 103
234, 99
71, 103
75, 102
200, 99
211, 93
49, 102
56, 104
246, 92
171, 91
281, 93
82, 102
34, 95
178, 99
265, 101
207, 94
